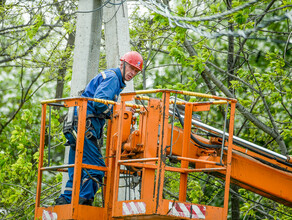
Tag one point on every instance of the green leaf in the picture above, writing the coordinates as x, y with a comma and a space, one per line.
240, 18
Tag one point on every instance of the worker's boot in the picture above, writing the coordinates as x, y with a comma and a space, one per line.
83, 201
61, 201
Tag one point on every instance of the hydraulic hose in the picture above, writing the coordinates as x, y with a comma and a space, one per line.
193, 137
244, 143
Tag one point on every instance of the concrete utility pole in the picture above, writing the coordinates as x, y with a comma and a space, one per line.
117, 43
87, 44
86, 51
117, 37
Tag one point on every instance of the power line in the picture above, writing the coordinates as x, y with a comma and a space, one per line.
105, 22
102, 6
96, 9
239, 33
122, 2
177, 21
238, 195
164, 10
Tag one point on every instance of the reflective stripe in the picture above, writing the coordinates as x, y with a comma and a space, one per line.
103, 74
68, 188
108, 109
84, 180
48, 215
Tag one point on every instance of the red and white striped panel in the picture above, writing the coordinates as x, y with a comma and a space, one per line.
130, 208
48, 215
187, 210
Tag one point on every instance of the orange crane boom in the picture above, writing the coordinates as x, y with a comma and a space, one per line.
254, 168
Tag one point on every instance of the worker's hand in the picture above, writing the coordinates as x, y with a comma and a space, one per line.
131, 109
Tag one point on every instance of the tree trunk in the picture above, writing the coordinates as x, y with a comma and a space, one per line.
235, 211
63, 69
230, 59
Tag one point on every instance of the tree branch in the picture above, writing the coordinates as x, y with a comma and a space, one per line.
30, 48
275, 127
246, 113
256, 23
25, 97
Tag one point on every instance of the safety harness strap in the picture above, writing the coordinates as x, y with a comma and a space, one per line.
70, 129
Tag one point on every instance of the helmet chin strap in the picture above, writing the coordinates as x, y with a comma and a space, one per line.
124, 68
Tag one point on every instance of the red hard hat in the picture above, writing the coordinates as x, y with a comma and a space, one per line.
134, 59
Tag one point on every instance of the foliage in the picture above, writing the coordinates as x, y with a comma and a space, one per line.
255, 69
259, 76
36, 39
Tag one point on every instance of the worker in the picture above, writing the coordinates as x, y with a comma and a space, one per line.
106, 85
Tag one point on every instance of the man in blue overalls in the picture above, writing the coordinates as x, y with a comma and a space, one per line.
106, 85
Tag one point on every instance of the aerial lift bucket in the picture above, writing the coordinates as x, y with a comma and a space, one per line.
73, 210
153, 141
145, 149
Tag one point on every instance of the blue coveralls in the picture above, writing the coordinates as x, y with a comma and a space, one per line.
106, 85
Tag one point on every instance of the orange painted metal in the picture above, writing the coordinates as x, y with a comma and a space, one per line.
270, 160
198, 160
73, 210
41, 157
138, 160
251, 174
142, 165
65, 212
186, 170
149, 139
185, 152
93, 167
211, 212
142, 146
194, 151
199, 108
153, 199
118, 153
110, 163
127, 125
167, 211
161, 152
229, 158
146, 153
78, 159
